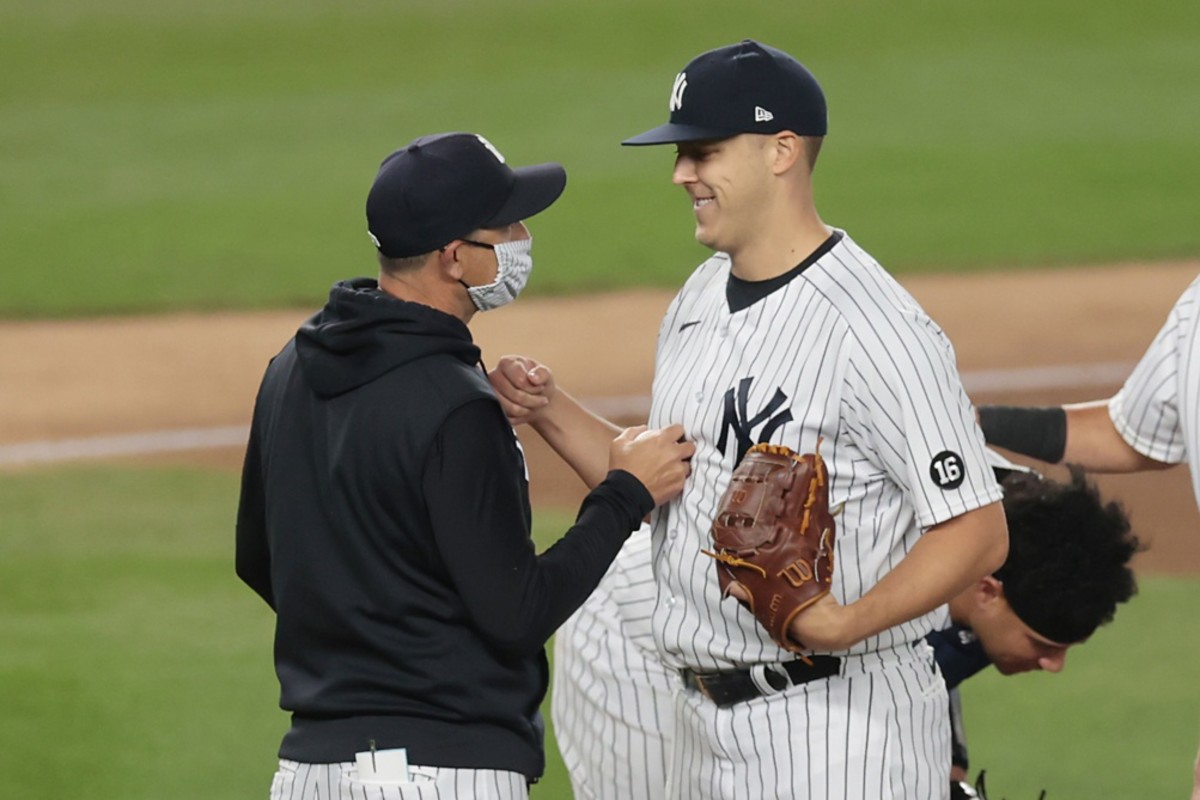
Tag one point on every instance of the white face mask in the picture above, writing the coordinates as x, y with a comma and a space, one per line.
516, 262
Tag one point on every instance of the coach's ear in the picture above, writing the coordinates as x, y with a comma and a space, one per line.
787, 149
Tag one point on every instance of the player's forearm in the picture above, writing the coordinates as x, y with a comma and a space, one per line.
580, 438
1081, 434
947, 559
1094, 443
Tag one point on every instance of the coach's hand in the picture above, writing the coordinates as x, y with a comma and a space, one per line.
523, 386
660, 459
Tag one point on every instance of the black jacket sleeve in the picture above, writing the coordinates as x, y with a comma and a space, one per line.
474, 487
252, 560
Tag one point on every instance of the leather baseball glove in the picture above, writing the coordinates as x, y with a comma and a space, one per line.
773, 535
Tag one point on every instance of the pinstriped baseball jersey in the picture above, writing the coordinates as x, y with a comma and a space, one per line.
840, 355
1157, 411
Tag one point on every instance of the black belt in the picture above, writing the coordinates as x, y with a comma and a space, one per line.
734, 686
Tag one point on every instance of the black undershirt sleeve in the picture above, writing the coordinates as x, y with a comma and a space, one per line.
1037, 432
473, 487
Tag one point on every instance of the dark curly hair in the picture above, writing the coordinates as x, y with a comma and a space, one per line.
1068, 555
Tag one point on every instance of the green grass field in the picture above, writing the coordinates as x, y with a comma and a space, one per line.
179, 156
135, 662
174, 155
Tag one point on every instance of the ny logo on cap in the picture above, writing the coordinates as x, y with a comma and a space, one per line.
762, 115
677, 92
491, 147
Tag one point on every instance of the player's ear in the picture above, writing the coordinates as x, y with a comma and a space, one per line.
787, 149
989, 589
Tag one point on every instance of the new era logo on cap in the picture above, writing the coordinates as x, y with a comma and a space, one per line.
762, 115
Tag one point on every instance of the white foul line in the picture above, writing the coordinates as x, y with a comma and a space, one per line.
135, 444
22, 454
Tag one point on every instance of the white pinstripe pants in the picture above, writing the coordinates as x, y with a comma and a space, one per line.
882, 734
297, 781
612, 711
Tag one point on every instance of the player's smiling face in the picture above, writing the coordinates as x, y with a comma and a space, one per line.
726, 180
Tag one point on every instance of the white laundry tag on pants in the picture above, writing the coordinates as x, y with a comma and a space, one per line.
383, 766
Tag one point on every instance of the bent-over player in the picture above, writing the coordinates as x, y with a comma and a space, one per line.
1068, 567
792, 335
1152, 423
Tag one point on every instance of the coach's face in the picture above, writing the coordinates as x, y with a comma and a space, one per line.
477, 255
728, 182
1011, 644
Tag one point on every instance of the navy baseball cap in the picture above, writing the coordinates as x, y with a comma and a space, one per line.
741, 88
440, 188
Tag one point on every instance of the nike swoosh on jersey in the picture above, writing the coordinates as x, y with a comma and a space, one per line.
687, 325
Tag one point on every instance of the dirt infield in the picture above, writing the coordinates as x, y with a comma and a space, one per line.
64, 380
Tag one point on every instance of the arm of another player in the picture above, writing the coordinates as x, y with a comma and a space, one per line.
529, 395
1094, 442
473, 489
947, 559
1081, 433
1196, 779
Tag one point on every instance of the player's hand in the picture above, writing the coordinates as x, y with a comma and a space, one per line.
660, 459
825, 625
524, 387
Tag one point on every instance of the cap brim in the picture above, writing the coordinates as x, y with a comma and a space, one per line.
535, 188
671, 133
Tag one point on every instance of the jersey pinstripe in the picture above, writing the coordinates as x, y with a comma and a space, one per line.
1157, 411
843, 355
612, 696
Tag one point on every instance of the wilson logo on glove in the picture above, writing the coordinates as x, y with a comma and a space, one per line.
774, 536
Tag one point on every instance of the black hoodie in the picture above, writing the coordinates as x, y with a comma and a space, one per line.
384, 515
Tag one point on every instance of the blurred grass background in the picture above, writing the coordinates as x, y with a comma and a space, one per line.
167, 156
135, 662
175, 155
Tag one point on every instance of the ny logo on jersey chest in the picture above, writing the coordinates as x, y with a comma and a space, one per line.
737, 418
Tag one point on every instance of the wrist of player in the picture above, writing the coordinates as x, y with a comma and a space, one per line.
1037, 432
549, 419
826, 625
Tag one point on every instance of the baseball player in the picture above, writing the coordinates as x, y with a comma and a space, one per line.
1152, 423
384, 512
791, 334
